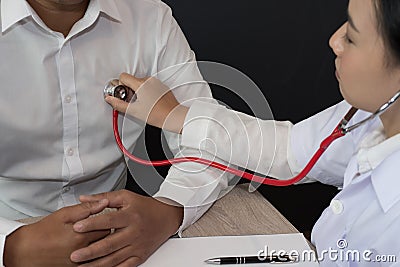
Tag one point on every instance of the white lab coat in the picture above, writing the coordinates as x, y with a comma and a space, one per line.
362, 225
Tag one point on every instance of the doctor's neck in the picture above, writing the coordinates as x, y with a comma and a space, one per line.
391, 120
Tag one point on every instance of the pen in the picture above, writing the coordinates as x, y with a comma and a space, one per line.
251, 259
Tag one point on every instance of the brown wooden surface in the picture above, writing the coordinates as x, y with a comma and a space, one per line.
241, 213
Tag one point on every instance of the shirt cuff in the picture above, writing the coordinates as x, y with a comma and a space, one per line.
189, 199
6, 228
195, 192
189, 217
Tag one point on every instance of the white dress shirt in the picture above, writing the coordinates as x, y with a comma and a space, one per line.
56, 129
364, 218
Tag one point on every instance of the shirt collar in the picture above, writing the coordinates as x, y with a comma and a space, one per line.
107, 7
381, 157
13, 11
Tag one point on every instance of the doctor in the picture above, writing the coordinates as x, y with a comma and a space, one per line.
364, 217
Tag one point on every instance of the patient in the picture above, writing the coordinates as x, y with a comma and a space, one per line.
59, 157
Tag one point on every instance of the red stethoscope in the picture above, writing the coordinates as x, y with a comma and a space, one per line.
122, 92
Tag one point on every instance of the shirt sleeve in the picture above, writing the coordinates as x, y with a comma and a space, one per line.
192, 186
6, 228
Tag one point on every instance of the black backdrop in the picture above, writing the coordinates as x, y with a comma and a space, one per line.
282, 45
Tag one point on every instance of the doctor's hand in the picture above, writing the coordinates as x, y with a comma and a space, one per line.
141, 225
155, 103
51, 241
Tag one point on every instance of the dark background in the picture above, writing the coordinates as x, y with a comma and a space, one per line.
282, 45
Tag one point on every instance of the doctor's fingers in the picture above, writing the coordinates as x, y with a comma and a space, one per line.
149, 90
135, 109
140, 109
117, 103
131, 81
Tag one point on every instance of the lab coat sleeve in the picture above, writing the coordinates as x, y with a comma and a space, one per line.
273, 148
307, 135
190, 185
258, 145
6, 228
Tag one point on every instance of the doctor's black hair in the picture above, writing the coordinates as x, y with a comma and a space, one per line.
388, 20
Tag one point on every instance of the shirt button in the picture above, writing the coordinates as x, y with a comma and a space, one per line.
337, 206
70, 152
68, 99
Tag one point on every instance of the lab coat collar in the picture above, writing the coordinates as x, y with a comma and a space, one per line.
13, 11
375, 148
385, 177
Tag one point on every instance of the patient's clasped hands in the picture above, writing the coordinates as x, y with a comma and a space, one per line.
30, 244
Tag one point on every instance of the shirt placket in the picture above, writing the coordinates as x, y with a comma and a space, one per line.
72, 166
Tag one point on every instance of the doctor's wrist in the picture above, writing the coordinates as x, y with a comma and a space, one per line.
175, 120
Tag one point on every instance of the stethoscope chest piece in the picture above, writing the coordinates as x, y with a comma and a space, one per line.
123, 92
